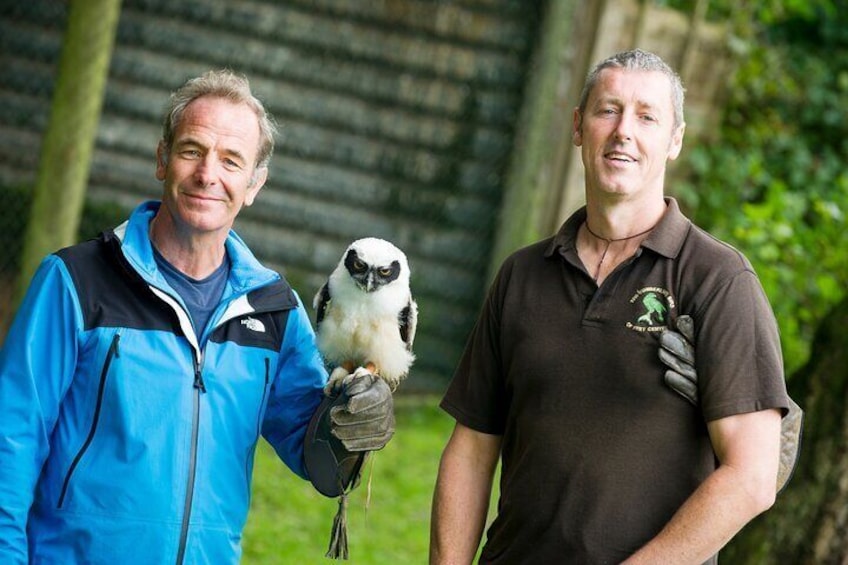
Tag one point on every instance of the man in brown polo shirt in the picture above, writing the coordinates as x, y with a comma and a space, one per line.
561, 382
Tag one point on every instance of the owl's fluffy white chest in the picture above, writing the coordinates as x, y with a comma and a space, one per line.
362, 327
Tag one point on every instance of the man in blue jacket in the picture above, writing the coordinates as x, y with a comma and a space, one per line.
143, 366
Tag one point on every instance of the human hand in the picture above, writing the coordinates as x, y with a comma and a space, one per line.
677, 352
366, 422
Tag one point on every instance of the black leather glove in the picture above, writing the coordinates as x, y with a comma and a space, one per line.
677, 352
366, 422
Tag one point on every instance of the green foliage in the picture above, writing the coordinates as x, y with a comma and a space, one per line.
775, 184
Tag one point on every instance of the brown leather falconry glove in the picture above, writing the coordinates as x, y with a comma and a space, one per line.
356, 416
366, 422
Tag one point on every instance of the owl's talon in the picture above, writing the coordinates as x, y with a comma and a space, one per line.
364, 371
337, 381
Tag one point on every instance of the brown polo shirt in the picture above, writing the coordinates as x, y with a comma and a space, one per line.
598, 452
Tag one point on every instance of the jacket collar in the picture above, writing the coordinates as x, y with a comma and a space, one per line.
246, 272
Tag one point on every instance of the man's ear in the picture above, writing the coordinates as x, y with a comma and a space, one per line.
260, 175
676, 144
161, 161
577, 128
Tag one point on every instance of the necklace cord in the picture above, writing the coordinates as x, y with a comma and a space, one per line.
608, 242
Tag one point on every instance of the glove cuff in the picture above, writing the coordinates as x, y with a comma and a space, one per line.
331, 468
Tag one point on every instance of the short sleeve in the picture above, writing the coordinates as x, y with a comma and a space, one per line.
738, 352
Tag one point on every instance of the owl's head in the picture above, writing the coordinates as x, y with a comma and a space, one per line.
373, 263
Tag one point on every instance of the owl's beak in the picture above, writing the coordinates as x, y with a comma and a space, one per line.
369, 282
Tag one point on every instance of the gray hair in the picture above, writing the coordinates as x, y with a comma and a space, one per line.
637, 60
221, 84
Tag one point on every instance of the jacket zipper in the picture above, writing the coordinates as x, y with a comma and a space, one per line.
199, 388
113, 352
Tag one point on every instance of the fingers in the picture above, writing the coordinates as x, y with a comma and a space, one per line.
357, 434
359, 382
352, 382
338, 378
675, 363
366, 422
686, 325
366, 444
677, 352
365, 397
374, 403
345, 427
685, 387
675, 343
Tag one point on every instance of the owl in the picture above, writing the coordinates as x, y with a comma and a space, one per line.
365, 313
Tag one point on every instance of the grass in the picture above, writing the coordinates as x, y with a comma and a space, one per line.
289, 522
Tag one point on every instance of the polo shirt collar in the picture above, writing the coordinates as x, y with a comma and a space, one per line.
666, 238
669, 234
566, 238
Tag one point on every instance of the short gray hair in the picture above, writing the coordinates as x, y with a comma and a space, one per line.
637, 60
221, 84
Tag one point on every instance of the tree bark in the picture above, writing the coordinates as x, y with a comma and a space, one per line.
68, 143
809, 522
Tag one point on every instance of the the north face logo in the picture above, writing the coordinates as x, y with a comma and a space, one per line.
253, 324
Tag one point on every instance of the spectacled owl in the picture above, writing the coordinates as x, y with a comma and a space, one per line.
365, 313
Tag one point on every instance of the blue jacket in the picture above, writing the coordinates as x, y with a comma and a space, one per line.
124, 438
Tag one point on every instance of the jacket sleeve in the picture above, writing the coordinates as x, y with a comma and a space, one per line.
296, 391
36, 367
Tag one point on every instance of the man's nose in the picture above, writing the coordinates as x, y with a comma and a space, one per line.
205, 171
624, 127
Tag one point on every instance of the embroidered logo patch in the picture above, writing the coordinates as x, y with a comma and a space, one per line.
653, 307
253, 324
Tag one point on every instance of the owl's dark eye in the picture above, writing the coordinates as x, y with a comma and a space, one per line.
385, 272
359, 266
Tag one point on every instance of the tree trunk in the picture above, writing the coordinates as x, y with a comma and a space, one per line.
809, 522
68, 143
